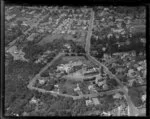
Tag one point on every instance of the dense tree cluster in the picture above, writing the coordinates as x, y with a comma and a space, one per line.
137, 12
114, 45
17, 76
33, 51
12, 34
18, 96
18, 73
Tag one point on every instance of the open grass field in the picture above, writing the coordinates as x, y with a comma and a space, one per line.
50, 38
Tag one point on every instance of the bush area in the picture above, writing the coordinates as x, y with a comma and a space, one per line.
18, 73
112, 47
18, 96
17, 76
33, 51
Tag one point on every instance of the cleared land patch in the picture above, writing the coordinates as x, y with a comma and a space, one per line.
50, 38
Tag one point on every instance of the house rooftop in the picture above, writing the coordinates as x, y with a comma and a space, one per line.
95, 101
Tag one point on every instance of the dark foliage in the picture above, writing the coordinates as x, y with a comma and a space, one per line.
17, 77
112, 46
12, 35
32, 51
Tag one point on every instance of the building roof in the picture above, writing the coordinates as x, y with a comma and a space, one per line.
95, 101
117, 95
91, 73
143, 97
41, 81
89, 79
88, 102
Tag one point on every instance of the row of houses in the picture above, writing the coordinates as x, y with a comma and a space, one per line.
92, 101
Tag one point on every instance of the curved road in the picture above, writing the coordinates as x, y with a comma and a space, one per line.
32, 82
133, 111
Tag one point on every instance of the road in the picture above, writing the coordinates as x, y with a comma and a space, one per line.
32, 82
133, 111
89, 34
31, 27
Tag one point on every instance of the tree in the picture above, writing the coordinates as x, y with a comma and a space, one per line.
45, 74
78, 107
32, 51
49, 87
29, 107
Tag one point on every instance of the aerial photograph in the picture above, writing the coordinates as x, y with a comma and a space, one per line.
75, 61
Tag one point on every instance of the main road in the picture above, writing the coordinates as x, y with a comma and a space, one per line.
89, 33
133, 111
60, 55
